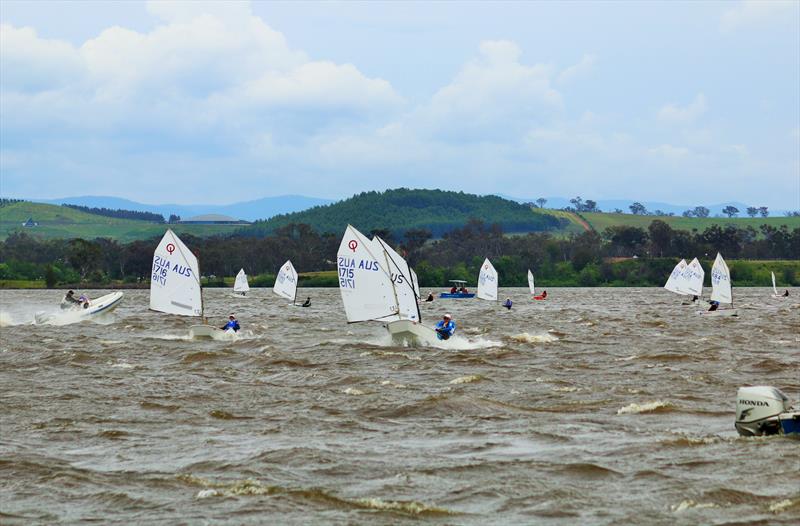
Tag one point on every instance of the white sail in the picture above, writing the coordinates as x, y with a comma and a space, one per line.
721, 281
487, 282
241, 285
175, 279
674, 281
286, 282
407, 308
774, 286
364, 282
415, 281
691, 280
530, 282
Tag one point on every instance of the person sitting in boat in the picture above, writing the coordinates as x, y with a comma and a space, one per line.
786, 293
464, 290
694, 299
714, 305
542, 296
70, 300
508, 303
233, 324
453, 289
84, 300
445, 328
430, 297
307, 303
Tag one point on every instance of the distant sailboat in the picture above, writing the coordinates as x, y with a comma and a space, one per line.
241, 287
675, 281
175, 285
721, 288
286, 282
487, 281
775, 288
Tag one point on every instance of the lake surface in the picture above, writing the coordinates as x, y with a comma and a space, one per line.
598, 406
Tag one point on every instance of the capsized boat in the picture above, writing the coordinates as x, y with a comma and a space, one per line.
487, 281
175, 286
286, 282
93, 309
459, 285
376, 285
721, 289
764, 410
241, 286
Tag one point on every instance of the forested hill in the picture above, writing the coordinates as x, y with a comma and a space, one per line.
402, 209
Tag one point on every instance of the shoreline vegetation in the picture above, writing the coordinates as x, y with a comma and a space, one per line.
624, 272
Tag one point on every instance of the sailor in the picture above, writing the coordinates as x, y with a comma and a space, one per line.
307, 303
544, 294
430, 297
70, 300
453, 289
84, 300
694, 299
714, 305
508, 303
445, 328
786, 293
233, 323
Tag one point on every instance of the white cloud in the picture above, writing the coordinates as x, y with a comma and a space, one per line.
578, 70
676, 114
756, 12
670, 152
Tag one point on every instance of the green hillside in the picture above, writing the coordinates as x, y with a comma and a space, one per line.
601, 221
403, 209
64, 222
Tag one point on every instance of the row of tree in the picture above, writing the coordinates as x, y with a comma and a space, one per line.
119, 213
637, 208
455, 256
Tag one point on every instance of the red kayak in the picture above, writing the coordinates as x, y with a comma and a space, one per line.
539, 298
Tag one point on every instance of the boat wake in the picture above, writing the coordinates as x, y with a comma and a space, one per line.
534, 338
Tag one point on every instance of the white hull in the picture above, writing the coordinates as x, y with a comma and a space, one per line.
240, 295
97, 307
207, 332
411, 333
779, 296
721, 313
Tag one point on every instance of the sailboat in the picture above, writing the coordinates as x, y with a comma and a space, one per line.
286, 282
175, 285
487, 281
775, 288
376, 285
531, 284
691, 280
240, 286
721, 288
675, 279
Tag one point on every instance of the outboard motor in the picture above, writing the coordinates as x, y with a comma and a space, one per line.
758, 410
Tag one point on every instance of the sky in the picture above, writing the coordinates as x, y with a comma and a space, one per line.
185, 102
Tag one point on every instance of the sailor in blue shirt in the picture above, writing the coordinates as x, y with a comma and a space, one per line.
508, 303
232, 324
445, 328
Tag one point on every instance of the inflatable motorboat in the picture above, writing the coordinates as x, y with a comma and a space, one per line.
79, 312
763, 410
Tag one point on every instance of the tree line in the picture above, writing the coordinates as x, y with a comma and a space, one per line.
636, 208
119, 213
619, 255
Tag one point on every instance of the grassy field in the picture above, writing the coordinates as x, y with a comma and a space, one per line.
602, 221
63, 222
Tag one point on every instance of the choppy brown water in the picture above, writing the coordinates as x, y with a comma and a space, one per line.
599, 406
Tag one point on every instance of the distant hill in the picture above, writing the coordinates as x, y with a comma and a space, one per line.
403, 209
263, 208
64, 222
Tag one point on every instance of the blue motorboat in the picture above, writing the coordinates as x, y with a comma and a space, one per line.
460, 291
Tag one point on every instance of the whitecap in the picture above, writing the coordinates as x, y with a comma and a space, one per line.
466, 379
646, 407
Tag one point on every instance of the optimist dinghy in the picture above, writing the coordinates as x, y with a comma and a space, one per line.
94, 309
487, 281
721, 289
286, 282
763, 410
175, 285
775, 288
690, 282
376, 284
241, 287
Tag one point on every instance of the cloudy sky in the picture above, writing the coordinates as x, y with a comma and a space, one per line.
690, 102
